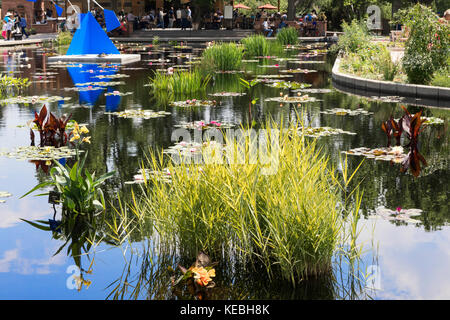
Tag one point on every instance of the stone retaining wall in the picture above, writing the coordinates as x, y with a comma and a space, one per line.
438, 95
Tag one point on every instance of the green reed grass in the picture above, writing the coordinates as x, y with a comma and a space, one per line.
180, 81
222, 57
256, 45
287, 36
290, 221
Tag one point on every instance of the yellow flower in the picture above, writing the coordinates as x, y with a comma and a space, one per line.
86, 139
76, 128
202, 276
48, 162
76, 136
84, 129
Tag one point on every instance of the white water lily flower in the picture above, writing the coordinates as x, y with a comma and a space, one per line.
397, 150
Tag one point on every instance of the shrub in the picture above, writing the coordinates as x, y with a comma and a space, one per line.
222, 57
355, 36
426, 49
441, 78
287, 36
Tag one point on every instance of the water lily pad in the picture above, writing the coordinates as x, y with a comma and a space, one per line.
194, 103
117, 93
295, 99
322, 131
34, 99
394, 154
40, 153
398, 215
139, 114
346, 112
202, 125
227, 94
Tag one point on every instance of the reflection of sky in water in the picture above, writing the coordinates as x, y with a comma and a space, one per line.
413, 263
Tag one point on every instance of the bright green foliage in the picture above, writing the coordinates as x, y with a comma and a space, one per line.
222, 57
256, 45
180, 81
354, 38
287, 36
427, 48
288, 221
80, 194
11, 86
64, 38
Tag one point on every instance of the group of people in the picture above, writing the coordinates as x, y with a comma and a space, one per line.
160, 18
13, 23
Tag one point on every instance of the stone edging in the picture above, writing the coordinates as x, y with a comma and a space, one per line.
389, 88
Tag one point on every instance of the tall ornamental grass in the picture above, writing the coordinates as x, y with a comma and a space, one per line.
180, 81
290, 222
256, 45
287, 36
222, 57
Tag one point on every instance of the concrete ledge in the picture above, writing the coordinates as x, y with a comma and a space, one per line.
94, 58
436, 96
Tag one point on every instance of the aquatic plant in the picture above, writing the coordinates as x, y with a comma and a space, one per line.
79, 190
255, 45
289, 221
52, 130
64, 38
222, 57
12, 86
287, 36
183, 82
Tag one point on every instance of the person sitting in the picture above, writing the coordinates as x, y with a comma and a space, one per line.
266, 28
282, 25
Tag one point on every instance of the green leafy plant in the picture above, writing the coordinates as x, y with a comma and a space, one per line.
256, 45
287, 36
426, 49
64, 38
185, 82
155, 41
79, 190
10, 86
222, 57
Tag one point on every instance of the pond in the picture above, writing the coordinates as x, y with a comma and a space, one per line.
411, 257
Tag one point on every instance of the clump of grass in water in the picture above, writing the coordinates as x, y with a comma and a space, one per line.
287, 36
255, 45
180, 81
64, 38
222, 57
288, 221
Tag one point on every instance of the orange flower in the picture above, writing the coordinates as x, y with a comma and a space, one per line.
202, 276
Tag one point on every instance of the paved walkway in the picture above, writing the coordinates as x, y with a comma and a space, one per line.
33, 39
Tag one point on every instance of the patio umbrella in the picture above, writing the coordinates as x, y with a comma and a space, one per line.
268, 6
241, 6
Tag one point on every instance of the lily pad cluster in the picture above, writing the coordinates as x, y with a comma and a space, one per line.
40, 153
118, 93
202, 124
139, 114
194, 103
298, 71
395, 154
322, 131
295, 99
34, 99
288, 85
399, 214
227, 94
346, 112
145, 174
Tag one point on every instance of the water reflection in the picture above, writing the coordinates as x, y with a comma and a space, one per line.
413, 259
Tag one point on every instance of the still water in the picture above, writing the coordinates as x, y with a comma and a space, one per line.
409, 260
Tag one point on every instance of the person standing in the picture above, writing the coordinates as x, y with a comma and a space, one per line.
267, 28
161, 14
171, 17
9, 23
178, 21
184, 20
189, 17
23, 25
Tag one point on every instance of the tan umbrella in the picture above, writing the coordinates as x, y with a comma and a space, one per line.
268, 6
241, 6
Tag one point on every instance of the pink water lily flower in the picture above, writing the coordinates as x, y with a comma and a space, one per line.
399, 209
